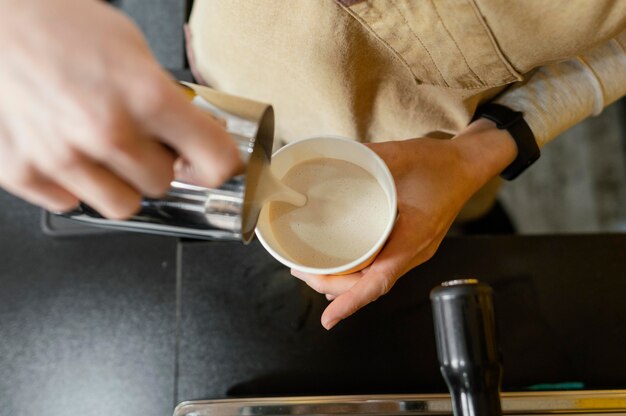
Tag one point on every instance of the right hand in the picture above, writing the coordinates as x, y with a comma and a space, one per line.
87, 114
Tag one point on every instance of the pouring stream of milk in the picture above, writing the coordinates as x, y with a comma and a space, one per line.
271, 189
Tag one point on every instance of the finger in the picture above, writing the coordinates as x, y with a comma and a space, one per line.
219, 120
146, 165
95, 185
366, 290
149, 167
32, 186
203, 143
117, 142
185, 172
330, 298
376, 283
192, 132
329, 284
154, 168
396, 258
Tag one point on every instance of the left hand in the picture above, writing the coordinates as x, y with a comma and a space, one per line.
434, 178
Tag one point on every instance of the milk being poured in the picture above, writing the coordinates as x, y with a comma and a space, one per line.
345, 214
271, 189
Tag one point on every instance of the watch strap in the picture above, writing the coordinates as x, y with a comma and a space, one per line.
512, 121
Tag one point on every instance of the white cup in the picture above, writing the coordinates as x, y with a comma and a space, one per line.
336, 148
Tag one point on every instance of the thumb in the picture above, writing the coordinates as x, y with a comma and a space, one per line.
200, 139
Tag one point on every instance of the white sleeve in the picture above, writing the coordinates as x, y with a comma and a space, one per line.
558, 96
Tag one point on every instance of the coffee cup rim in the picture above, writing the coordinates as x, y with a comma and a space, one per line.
364, 259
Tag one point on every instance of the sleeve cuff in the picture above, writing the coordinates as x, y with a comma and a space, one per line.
558, 96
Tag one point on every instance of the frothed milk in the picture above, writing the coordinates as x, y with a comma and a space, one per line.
270, 189
265, 188
345, 214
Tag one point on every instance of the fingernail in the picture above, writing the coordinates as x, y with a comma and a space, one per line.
329, 324
182, 168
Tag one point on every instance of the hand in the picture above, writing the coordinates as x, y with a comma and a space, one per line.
434, 178
86, 113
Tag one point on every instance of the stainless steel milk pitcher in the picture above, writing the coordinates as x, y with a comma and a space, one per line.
226, 213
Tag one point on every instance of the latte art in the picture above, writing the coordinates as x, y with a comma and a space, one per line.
346, 213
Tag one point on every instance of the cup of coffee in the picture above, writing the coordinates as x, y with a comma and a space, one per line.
350, 211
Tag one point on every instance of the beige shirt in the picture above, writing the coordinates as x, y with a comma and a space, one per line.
380, 70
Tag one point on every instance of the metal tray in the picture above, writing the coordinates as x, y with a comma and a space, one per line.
525, 403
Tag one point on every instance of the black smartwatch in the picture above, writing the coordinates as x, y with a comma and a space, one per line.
512, 121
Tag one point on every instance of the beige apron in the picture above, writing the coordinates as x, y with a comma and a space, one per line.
376, 70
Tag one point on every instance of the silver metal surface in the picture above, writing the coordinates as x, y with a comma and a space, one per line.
225, 213
459, 282
524, 403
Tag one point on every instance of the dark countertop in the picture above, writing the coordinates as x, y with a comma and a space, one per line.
87, 325
131, 323
248, 328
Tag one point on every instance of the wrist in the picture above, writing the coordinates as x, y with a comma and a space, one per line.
484, 150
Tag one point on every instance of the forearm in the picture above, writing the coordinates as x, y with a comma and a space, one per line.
555, 98
558, 96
